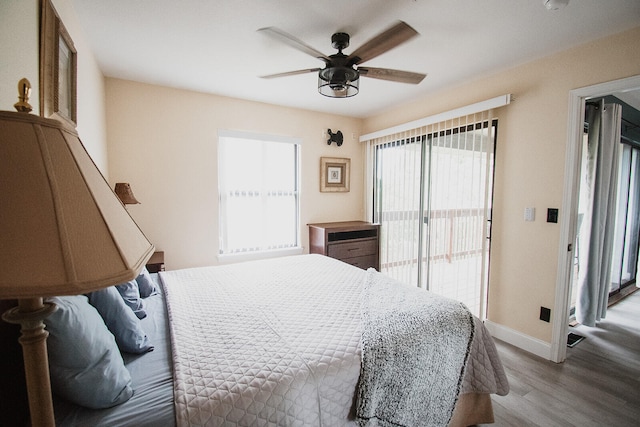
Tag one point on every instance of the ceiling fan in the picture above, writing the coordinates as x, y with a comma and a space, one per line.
341, 75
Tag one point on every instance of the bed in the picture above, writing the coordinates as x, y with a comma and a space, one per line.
304, 340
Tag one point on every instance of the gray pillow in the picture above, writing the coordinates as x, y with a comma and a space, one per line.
85, 364
131, 296
145, 283
123, 324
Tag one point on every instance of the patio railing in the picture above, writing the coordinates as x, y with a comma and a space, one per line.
453, 234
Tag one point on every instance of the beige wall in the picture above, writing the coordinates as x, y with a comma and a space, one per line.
91, 97
163, 141
19, 41
530, 156
19, 50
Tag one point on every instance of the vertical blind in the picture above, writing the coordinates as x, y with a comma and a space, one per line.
432, 189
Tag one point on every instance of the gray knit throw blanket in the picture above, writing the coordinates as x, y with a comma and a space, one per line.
414, 348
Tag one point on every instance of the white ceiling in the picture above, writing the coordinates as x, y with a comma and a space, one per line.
212, 46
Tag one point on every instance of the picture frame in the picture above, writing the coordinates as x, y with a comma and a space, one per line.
58, 68
335, 173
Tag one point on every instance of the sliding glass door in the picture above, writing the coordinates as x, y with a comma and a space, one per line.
627, 229
399, 207
433, 194
459, 205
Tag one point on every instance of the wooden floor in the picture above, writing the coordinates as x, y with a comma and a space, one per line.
598, 384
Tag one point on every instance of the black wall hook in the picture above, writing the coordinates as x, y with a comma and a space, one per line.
335, 137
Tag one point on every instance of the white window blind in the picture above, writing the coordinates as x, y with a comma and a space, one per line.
432, 191
258, 180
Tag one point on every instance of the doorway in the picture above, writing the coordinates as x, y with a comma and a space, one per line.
616, 267
569, 216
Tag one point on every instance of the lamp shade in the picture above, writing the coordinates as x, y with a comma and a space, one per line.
64, 231
125, 193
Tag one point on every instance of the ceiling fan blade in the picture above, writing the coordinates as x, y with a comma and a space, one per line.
386, 40
291, 73
392, 75
295, 43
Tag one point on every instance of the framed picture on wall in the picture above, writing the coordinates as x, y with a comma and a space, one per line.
58, 67
334, 174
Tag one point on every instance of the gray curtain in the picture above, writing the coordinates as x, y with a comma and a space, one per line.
596, 242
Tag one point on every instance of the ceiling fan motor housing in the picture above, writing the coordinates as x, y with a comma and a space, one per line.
340, 41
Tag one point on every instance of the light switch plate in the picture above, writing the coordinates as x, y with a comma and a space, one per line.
529, 214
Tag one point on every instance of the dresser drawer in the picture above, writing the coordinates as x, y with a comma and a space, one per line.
354, 242
363, 262
352, 249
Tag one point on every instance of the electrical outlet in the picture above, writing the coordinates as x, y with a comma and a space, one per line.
545, 314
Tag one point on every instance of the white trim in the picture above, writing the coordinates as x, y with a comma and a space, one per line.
258, 136
518, 339
368, 194
498, 101
564, 278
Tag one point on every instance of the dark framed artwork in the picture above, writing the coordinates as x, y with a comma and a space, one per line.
58, 67
334, 174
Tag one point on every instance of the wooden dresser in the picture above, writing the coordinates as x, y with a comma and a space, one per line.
354, 242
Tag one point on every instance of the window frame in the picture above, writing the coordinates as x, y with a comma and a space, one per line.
224, 258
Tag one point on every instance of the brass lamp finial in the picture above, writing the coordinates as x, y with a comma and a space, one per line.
24, 90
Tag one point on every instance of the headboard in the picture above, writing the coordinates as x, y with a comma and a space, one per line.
14, 406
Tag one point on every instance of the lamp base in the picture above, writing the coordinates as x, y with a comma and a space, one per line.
30, 314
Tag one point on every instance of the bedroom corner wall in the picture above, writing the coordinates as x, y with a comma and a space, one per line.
91, 90
163, 141
19, 45
530, 160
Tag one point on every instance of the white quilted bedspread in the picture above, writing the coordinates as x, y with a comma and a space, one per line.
252, 346
277, 342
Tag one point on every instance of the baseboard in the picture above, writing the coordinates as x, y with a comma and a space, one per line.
520, 340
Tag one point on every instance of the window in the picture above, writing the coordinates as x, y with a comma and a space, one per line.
258, 193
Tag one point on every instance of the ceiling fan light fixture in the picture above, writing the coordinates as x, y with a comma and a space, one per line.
338, 82
555, 4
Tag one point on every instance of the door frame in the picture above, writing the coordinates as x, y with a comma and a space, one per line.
569, 215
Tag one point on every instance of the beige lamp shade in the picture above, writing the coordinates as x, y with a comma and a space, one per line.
64, 232
125, 193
